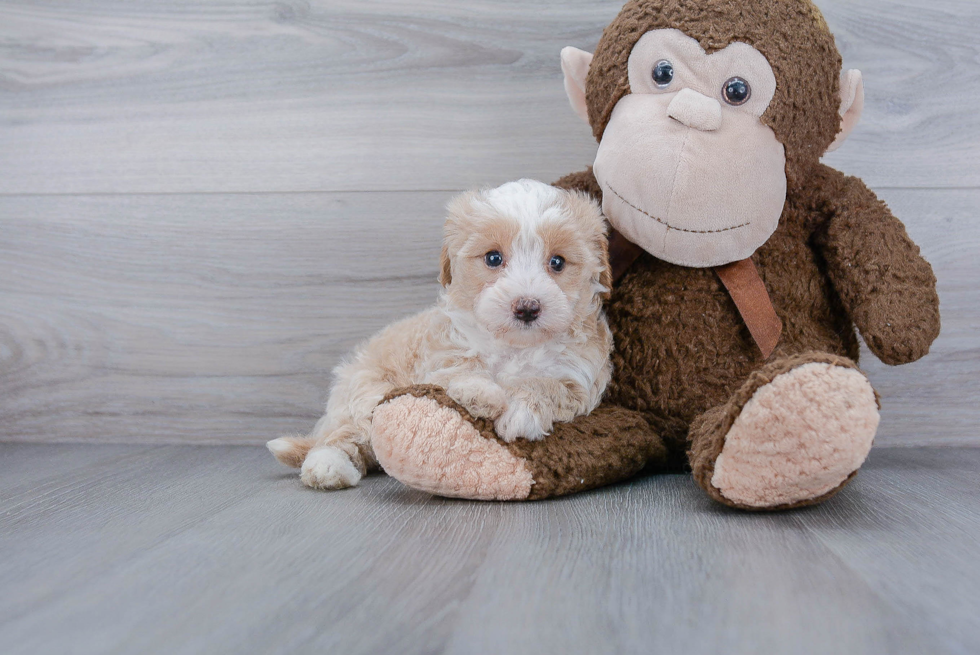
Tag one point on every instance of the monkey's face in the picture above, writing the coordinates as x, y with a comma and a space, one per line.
688, 170
697, 150
701, 134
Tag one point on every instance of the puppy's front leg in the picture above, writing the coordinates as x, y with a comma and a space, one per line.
536, 404
481, 396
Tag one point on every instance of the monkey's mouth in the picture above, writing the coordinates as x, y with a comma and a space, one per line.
668, 225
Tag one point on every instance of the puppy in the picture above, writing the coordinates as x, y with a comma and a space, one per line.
518, 335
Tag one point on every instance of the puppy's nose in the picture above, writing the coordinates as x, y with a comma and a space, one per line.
526, 309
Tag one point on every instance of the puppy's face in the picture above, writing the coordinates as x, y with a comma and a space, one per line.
527, 259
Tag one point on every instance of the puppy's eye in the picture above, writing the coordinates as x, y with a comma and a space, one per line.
663, 73
557, 263
494, 259
736, 91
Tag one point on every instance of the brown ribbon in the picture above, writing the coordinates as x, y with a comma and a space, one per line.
742, 281
752, 299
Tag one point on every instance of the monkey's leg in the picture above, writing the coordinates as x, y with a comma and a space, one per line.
794, 434
425, 440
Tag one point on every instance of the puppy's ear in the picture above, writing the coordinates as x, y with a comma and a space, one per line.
606, 276
603, 282
587, 212
458, 210
446, 270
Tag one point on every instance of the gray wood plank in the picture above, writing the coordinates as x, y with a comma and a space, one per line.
893, 531
308, 579
657, 566
108, 509
236, 96
921, 66
217, 318
15, 477
215, 550
144, 318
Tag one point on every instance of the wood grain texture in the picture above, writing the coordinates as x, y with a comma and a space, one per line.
213, 317
218, 550
242, 96
217, 318
204, 205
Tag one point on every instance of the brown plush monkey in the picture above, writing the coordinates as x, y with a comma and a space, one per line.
744, 266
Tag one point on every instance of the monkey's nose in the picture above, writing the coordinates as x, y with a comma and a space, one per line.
695, 110
526, 310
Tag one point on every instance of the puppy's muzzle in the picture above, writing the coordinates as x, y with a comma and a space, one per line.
526, 310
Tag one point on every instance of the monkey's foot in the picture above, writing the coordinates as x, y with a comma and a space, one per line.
794, 434
423, 439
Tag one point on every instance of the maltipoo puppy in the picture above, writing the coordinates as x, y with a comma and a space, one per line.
518, 335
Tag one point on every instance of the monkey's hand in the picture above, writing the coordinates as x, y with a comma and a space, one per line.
886, 286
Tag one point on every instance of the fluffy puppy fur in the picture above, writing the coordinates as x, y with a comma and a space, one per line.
518, 335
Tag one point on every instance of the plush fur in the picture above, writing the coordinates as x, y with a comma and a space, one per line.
458, 458
685, 364
711, 431
523, 374
808, 66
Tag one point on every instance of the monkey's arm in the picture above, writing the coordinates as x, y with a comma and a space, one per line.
885, 284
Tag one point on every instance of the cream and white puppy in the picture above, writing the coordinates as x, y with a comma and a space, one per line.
518, 335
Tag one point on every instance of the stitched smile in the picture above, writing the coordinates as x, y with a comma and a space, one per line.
668, 225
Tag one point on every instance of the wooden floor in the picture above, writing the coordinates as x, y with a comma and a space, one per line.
205, 204
191, 549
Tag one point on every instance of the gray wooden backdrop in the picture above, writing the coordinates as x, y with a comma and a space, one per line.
203, 205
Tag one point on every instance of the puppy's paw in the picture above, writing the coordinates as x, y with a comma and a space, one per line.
482, 398
520, 422
328, 467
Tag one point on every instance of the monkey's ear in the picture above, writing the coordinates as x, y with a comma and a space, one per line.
575, 66
851, 105
446, 268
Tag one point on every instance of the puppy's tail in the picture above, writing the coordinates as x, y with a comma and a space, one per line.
291, 451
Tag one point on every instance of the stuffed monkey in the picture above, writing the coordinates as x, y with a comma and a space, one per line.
743, 266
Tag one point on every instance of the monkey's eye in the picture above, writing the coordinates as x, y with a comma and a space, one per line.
736, 91
494, 259
663, 73
557, 263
